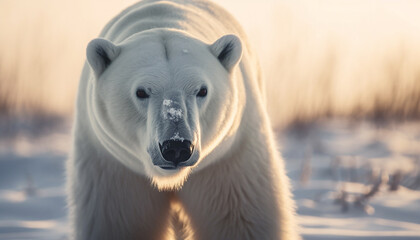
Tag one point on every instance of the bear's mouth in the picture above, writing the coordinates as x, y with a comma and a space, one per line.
168, 168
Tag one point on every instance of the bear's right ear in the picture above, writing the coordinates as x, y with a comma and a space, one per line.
100, 53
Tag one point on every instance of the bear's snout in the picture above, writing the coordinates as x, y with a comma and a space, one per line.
176, 151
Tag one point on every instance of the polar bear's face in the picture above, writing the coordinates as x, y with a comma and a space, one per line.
168, 100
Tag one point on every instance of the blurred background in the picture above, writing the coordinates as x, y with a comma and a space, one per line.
343, 85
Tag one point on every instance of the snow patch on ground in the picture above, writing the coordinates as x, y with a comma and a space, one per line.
342, 174
355, 180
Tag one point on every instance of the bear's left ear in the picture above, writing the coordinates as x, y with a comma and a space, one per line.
100, 53
228, 49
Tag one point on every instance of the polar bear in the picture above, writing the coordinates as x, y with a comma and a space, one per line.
171, 134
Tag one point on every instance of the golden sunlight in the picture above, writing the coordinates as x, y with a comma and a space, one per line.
351, 58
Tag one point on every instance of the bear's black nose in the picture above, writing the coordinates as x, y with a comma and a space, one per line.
176, 151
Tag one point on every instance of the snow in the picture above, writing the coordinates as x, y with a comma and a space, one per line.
174, 113
167, 102
333, 164
171, 113
177, 137
342, 172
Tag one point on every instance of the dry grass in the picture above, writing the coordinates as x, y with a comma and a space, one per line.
373, 181
42, 45
320, 58
345, 58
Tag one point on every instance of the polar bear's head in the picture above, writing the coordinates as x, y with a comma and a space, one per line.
164, 103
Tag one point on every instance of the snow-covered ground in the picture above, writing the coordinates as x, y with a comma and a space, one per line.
32, 192
341, 170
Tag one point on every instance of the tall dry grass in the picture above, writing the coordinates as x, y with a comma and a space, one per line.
320, 58
42, 49
348, 58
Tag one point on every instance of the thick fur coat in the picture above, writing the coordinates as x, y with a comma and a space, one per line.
180, 72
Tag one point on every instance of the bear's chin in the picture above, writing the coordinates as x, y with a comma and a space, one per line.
169, 180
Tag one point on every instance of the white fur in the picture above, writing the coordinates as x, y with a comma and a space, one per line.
233, 186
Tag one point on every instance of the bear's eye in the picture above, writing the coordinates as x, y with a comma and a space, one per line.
141, 93
202, 92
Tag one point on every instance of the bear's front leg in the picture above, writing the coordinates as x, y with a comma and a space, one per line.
108, 201
239, 199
